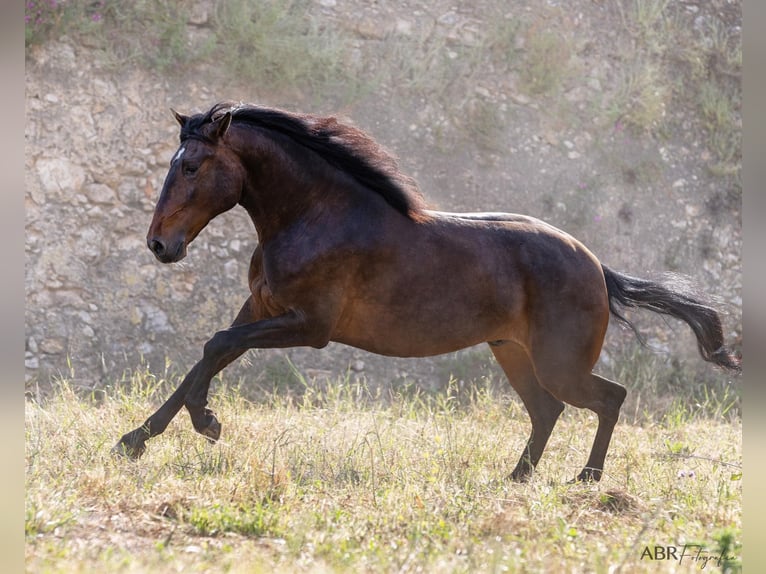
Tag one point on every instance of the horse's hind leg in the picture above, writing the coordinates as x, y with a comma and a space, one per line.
607, 406
543, 408
590, 391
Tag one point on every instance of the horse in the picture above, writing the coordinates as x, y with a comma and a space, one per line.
348, 251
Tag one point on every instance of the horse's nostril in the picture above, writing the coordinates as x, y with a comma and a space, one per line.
157, 247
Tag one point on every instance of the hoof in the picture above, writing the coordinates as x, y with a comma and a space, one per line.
124, 449
587, 475
211, 429
521, 477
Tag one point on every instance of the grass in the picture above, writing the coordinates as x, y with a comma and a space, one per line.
343, 479
279, 44
546, 61
275, 44
674, 63
722, 127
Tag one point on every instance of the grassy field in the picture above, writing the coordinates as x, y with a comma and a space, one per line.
340, 479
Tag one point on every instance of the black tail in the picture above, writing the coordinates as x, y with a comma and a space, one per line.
626, 291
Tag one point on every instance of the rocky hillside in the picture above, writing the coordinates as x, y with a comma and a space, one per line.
618, 125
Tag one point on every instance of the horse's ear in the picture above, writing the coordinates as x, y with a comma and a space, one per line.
181, 119
221, 124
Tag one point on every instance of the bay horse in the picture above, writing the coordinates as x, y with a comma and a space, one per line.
349, 252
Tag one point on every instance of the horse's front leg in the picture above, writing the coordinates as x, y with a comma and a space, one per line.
292, 329
289, 330
133, 444
213, 361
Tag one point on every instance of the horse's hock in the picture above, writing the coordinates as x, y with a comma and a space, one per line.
97, 150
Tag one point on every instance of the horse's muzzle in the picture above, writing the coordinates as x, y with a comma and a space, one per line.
166, 253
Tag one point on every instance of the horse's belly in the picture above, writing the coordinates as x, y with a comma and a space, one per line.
407, 344
425, 328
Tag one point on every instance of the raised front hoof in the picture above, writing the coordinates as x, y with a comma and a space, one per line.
124, 449
210, 428
587, 475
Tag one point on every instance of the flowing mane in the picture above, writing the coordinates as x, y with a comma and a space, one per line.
344, 146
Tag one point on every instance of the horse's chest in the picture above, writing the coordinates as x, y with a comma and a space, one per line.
285, 282
264, 298
301, 261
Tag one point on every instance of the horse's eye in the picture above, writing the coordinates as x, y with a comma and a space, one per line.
189, 169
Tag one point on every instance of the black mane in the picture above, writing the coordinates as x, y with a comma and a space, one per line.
344, 146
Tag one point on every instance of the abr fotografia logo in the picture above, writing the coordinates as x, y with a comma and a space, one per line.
687, 554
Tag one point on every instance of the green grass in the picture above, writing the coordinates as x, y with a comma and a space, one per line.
546, 61
337, 480
673, 65
280, 45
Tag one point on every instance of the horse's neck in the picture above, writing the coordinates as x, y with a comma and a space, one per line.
284, 184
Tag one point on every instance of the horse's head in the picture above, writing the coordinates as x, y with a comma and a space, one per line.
205, 179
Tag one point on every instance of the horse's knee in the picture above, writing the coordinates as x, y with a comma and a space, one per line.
620, 393
587, 390
613, 393
216, 345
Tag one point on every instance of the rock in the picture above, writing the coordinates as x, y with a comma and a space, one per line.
129, 192
357, 366
52, 346
199, 13
370, 29
103, 89
519, 98
156, 320
100, 193
60, 176
483, 92
404, 27
231, 268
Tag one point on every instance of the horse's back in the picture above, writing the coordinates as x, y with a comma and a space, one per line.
533, 243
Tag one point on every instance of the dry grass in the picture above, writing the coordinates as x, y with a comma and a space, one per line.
343, 483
